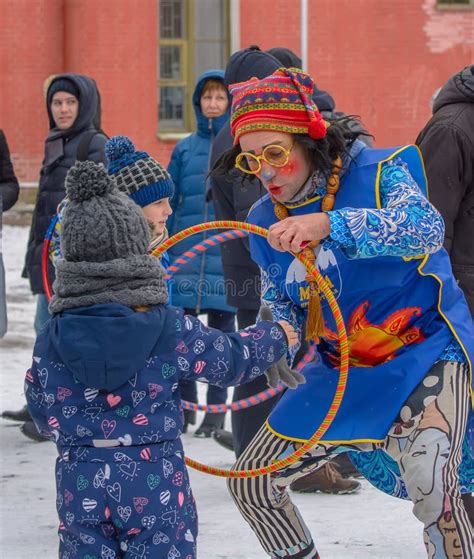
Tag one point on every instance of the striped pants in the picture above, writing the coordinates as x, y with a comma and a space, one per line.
426, 443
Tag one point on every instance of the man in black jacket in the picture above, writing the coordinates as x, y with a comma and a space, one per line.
74, 113
447, 145
9, 190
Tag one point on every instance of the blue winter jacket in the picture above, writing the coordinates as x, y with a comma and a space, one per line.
200, 283
107, 376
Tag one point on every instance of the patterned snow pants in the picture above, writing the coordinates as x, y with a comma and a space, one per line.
114, 504
425, 441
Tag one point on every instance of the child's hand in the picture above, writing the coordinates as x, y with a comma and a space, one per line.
290, 332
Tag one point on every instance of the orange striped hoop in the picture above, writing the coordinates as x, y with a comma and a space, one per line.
344, 349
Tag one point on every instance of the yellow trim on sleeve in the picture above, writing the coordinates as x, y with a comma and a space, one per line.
394, 154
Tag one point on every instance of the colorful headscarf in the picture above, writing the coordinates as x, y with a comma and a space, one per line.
280, 102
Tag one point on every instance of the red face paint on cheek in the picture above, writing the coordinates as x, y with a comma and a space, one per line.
290, 168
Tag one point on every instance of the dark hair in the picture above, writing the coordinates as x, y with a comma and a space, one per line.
338, 140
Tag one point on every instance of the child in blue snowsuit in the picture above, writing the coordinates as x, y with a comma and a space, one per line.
104, 381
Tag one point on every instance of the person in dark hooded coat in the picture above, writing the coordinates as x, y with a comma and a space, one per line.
74, 113
447, 145
61, 149
9, 190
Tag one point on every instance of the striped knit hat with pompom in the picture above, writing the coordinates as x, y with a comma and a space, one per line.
136, 173
280, 102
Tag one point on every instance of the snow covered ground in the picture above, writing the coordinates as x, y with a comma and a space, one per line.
369, 524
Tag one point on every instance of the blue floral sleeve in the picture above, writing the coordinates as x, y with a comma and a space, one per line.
406, 225
282, 308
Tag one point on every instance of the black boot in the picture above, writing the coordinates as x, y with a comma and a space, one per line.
29, 430
210, 423
20, 415
224, 438
189, 419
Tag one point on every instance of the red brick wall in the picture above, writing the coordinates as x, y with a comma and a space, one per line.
270, 23
113, 41
380, 59
30, 50
116, 42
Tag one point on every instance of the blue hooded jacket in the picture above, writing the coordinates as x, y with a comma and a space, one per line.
199, 284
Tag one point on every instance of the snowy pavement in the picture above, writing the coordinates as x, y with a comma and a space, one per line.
367, 525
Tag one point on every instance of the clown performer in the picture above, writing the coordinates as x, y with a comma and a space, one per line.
363, 216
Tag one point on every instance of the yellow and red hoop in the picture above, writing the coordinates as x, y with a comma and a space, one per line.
343, 344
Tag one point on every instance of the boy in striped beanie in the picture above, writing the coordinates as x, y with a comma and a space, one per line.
140, 177
145, 181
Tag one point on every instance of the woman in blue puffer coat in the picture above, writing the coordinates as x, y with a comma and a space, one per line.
199, 287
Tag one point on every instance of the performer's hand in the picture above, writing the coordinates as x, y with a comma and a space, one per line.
293, 233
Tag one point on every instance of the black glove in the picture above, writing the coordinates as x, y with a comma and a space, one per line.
280, 372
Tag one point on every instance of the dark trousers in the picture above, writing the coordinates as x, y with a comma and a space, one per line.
224, 321
246, 422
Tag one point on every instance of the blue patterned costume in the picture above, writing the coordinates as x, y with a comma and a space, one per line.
395, 331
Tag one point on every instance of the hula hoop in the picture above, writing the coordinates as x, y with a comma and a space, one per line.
45, 257
323, 287
203, 246
344, 347
255, 399
213, 241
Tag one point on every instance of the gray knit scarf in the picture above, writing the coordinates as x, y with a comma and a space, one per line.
134, 281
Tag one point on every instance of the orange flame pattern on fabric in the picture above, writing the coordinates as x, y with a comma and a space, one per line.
374, 344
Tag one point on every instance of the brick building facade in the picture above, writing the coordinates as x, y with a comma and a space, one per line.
379, 59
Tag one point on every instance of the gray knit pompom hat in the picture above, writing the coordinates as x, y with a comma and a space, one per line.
99, 222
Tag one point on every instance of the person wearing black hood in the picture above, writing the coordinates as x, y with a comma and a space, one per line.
74, 113
233, 197
447, 145
289, 59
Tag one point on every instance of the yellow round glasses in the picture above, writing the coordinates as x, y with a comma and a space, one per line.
273, 154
